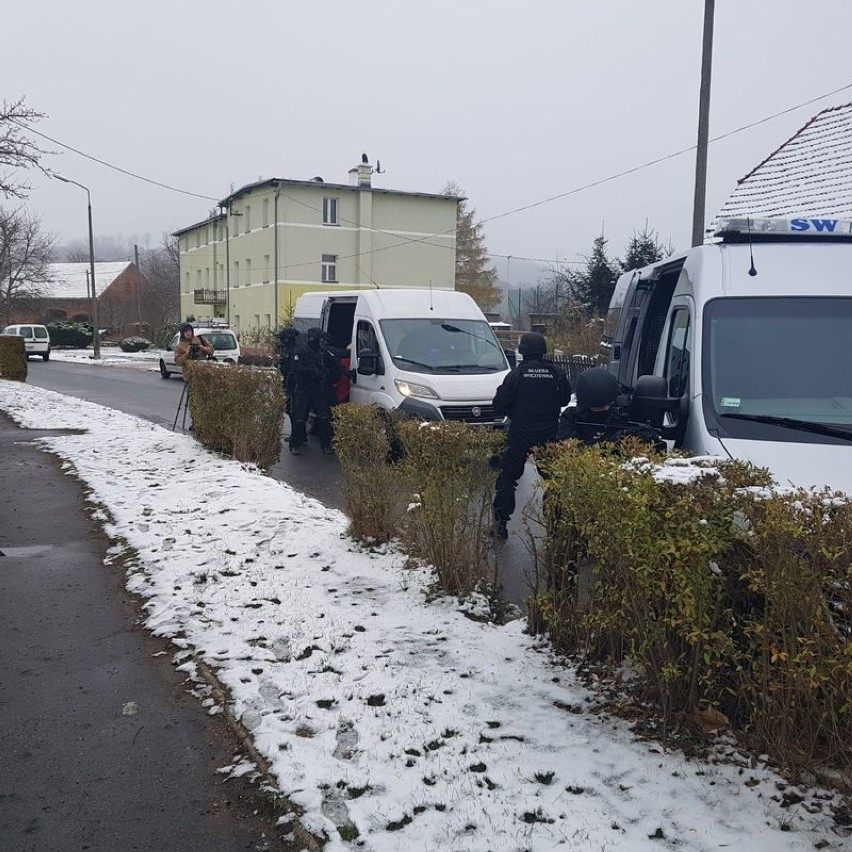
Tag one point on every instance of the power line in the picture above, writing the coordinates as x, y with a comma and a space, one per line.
110, 165
512, 212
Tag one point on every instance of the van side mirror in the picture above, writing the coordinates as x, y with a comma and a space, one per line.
370, 364
650, 403
511, 357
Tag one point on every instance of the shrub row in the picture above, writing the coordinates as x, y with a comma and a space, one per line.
13, 358
237, 410
428, 484
75, 335
720, 591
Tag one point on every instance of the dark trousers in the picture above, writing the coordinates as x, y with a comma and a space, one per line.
306, 400
518, 446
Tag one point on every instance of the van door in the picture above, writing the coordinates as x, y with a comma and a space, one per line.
674, 363
370, 378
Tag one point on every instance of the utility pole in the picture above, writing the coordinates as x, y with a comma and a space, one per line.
703, 125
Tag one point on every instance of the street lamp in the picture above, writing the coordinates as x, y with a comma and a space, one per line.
96, 335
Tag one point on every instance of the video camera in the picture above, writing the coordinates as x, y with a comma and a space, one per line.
194, 351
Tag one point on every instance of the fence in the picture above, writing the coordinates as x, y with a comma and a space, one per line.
575, 364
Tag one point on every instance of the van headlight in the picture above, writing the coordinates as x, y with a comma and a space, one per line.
411, 389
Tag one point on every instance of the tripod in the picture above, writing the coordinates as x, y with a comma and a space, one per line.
183, 402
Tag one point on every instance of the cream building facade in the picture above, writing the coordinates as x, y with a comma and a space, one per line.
275, 239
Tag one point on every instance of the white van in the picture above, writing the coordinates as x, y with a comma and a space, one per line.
430, 353
36, 338
750, 339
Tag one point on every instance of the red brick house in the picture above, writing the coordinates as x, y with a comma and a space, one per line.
124, 297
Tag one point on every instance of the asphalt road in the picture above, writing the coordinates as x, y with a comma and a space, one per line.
101, 746
143, 393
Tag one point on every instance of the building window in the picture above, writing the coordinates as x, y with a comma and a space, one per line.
198, 238
329, 267
247, 217
207, 276
186, 283
265, 212
257, 321
329, 211
266, 269
267, 321
236, 281
248, 271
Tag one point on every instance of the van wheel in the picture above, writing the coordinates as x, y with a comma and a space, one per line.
163, 371
46, 356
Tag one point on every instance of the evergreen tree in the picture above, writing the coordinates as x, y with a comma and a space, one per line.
643, 248
474, 273
593, 285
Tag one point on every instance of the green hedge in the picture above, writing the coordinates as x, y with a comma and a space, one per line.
74, 335
721, 592
236, 410
13, 358
366, 443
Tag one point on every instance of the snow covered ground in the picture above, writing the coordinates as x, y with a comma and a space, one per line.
111, 356
382, 715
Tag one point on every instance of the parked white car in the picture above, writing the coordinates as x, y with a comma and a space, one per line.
225, 344
36, 338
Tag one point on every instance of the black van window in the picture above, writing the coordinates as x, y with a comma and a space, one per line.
366, 341
676, 368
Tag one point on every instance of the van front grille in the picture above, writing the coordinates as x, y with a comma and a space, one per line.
471, 413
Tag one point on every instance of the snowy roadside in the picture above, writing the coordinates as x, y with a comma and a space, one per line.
379, 713
111, 356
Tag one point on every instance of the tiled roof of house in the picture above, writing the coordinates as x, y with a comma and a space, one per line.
69, 279
810, 174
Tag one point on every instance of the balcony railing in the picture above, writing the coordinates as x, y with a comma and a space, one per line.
208, 297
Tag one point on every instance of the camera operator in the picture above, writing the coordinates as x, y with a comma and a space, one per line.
191, 347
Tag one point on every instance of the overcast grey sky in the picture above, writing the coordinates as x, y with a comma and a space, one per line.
515, 101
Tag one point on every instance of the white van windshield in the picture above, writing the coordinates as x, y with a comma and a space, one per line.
777, 368
443, 345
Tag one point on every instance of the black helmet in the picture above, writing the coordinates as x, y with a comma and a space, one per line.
184, 326
314, 337
596, 388
288, 336
533, 345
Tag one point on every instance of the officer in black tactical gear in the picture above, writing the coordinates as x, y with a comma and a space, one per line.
315, 370
602, 415
597, 392
287, 340
311, 392
531, 396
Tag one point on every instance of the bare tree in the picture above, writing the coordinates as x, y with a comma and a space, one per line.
17, 149
162, 269
25, 256
77, 255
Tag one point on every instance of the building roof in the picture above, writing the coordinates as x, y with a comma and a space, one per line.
274, 183
809, 175
68, 280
